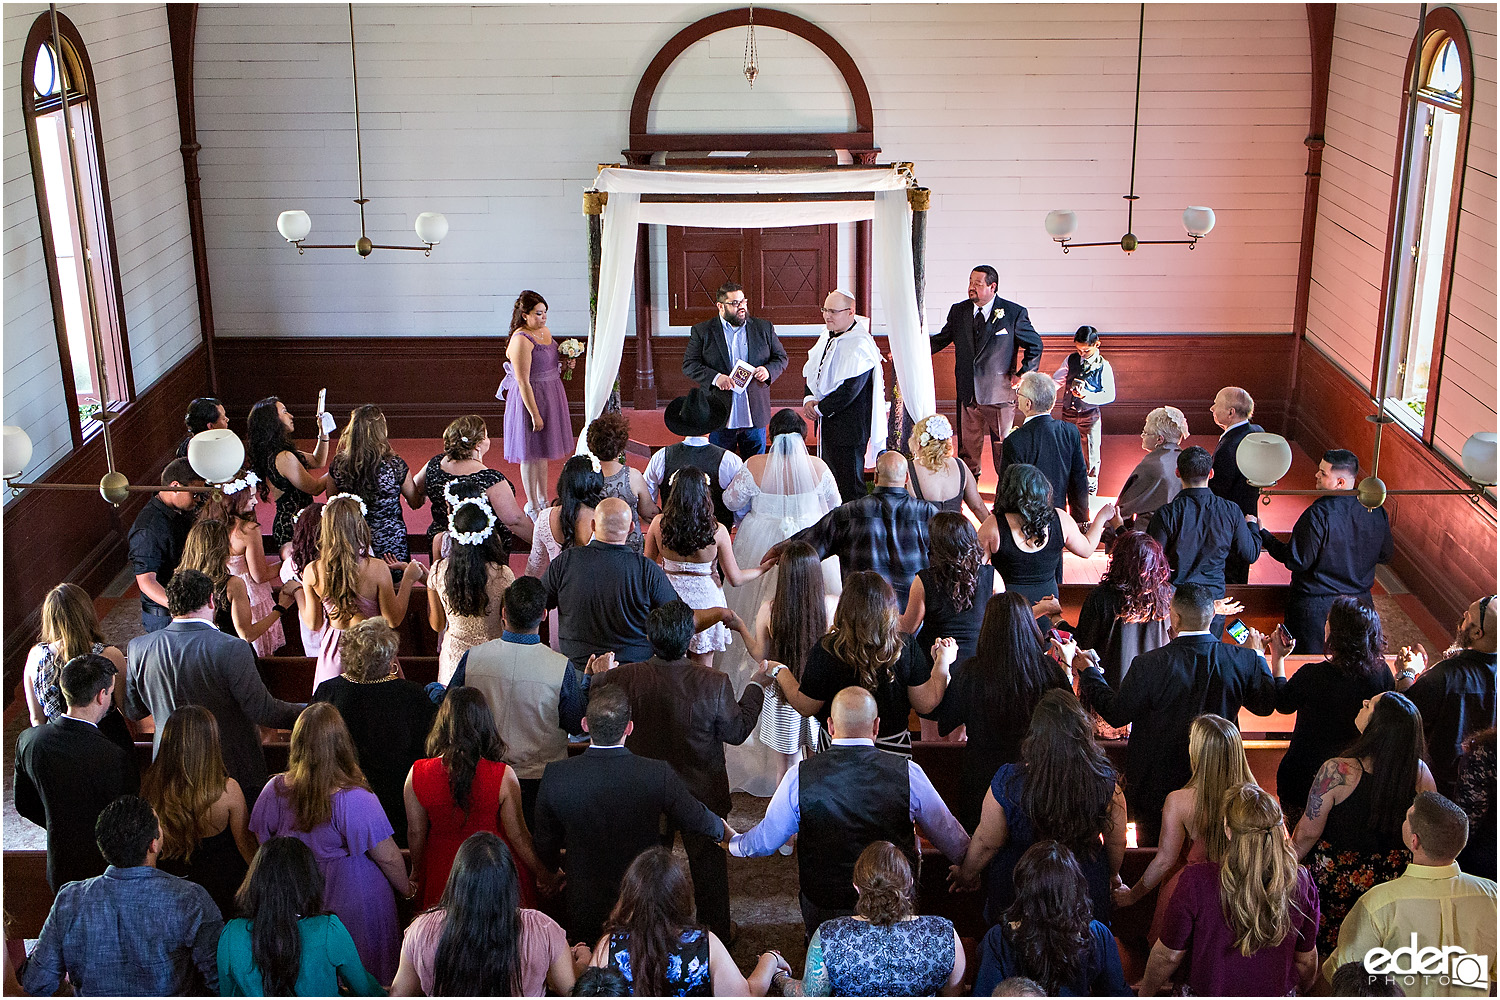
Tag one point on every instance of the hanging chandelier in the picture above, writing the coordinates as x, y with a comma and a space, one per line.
1196, 219
295, 224
750, 68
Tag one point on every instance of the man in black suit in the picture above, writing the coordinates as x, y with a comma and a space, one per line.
67, 771
986, 331
604, 807
1053, 446
1166, 689
1334, 549
1199, 531
714, 346
686, 713
1232, 410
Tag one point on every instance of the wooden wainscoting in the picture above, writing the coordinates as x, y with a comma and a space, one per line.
52, 536
1445, 545
424, 382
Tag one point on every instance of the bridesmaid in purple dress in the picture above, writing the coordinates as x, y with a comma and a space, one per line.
537, 425
324, 801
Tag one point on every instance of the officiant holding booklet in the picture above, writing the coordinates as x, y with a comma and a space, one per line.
731, 340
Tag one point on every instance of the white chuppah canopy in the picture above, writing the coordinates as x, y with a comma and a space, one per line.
894, 277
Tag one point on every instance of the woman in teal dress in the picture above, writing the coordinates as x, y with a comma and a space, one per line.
285, 944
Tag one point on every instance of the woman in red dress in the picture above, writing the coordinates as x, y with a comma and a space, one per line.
461, 789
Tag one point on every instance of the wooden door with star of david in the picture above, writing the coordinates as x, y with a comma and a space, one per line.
786, 271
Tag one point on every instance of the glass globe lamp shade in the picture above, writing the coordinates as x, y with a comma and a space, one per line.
1478, 458
432, 227
17, 451
1198, 220
1264, 458
216, 455
1062, 224
294, 225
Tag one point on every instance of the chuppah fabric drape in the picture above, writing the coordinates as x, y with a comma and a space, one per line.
894, 279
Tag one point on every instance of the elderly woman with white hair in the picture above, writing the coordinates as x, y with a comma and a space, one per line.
935, 475
1154, 482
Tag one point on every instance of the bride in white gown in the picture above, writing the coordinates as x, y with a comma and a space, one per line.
786, 490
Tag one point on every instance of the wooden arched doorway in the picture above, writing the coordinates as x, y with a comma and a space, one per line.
702, 256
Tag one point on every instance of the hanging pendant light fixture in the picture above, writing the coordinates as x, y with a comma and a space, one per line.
750, 68
1198, 220
295, 224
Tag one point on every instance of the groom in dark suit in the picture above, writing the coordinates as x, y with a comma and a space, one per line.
713, 348
1232, 410
986, 332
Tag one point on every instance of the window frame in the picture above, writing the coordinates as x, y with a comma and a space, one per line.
1442, 24
41, 34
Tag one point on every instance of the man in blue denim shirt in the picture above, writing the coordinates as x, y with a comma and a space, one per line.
133, 931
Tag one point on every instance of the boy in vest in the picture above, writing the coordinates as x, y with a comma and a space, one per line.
1086, 382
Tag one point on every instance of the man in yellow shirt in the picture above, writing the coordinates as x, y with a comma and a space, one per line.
1431, 931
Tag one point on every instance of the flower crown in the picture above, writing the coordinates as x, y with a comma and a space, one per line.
245, 482
453, 498
363, 510
472, 537
937, 429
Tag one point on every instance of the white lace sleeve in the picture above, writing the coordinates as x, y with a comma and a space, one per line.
828, 491
741, 490
536, 562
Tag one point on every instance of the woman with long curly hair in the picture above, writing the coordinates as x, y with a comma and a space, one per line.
296, 556
1350, 833
1327, 695
346, 585
993, 694
1126, 615
608, 436
207, 550
367, 466
947, 598
479, 940
205, 832
1049, 934
866, 648
69, 628
1249, 921
1063, 789
1026, 533
688, 541
1192, 820
324, 801
653, 937
935, 472
537, 425
570, 519
465, 587
885, 948
284, 943
459, 471
462, 787
283, 470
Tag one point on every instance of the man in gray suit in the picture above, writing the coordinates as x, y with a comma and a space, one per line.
190, 662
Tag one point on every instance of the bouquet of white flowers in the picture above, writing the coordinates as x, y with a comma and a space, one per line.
570, 350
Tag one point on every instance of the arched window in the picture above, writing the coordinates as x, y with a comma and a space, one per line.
1424, 225
77, 233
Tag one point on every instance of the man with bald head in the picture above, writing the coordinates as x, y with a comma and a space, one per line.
1456, 695
846, 392
1232, 410
605, 590
843, 800
884, 531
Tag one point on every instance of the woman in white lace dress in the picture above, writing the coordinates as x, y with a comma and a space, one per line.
781, 493
689, 542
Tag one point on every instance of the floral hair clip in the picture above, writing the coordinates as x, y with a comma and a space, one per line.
937, 429
473, 537
594, 461
246, 481
363, 510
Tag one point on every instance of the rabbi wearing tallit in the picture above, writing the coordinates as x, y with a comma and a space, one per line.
846, 391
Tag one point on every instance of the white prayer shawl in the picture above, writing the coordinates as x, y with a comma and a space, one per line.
854, 352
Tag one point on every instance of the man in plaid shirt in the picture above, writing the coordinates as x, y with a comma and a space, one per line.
884, 531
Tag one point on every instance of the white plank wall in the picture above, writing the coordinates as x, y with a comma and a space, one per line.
136, 112
497, 115
1364, 105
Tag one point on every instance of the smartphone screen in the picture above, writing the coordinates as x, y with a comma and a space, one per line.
1238, 631
322, 400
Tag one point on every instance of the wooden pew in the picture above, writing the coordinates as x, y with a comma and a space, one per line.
290, 678
28, 898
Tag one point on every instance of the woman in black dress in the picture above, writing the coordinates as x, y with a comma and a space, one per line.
281, 467
1026, 535
388, 716
1327, 695
994, 693
368, 467
1126, 615
935, 472
461, 467
205, 836
948, 597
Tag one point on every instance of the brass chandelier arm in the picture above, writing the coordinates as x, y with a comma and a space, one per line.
94, 488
